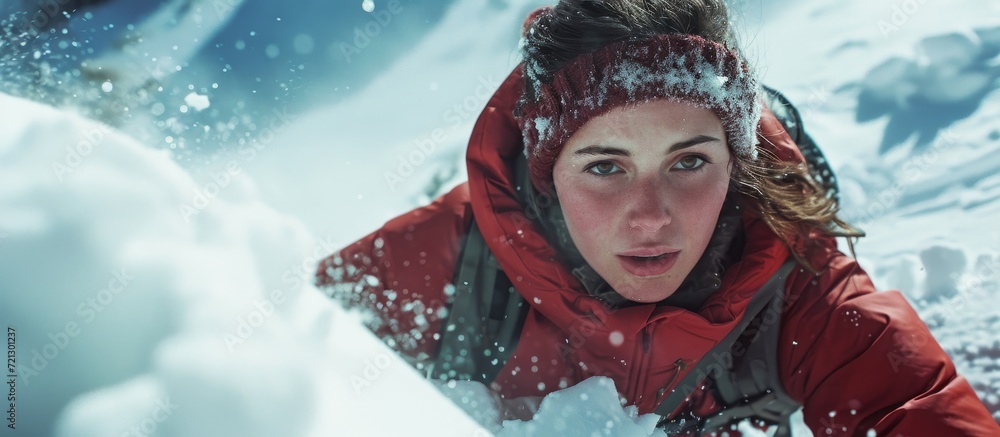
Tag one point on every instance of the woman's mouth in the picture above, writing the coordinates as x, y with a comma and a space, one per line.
645, 266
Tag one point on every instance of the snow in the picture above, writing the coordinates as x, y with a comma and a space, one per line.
130, 313
544, 127
162, 43
704, 79
417, 150
590, 408
174, 298
198, 102
706, 82
948, 68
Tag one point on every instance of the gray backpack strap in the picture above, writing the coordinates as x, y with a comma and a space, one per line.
752, 387
772, 291
484, 321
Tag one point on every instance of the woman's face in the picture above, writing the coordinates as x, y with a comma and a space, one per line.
641, 188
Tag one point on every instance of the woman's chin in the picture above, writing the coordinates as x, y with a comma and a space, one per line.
646, 293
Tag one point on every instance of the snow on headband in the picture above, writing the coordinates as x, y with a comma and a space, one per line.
680, 67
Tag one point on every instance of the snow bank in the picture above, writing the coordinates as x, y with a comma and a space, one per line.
147, 301
590, 408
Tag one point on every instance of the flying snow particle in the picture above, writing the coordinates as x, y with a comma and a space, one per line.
197, 101
303, 44
272, 51
616, 338
368, 5
157, 109
107, 86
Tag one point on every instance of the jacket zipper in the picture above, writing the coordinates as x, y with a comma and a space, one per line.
643, 362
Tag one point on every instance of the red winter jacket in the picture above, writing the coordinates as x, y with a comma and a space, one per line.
856, 359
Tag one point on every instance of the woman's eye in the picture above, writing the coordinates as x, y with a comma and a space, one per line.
603, 168
691, 162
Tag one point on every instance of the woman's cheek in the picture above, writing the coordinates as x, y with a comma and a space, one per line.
704, 192
699, 198
587, 214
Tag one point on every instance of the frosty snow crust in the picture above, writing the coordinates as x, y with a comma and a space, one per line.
680, 67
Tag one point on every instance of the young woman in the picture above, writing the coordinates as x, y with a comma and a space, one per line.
634, 195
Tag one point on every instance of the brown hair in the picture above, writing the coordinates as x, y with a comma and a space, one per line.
788, 199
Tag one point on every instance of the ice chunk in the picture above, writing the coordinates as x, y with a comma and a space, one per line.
588, 408
945, 266
198, 102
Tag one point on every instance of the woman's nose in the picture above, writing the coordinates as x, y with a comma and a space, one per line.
648, 208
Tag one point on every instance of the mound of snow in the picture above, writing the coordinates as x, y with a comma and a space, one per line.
590, 408
146, 301
944, 266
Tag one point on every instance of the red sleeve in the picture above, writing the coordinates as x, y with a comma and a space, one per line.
862, 360
401, 274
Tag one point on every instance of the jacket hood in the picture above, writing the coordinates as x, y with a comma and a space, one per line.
562, 306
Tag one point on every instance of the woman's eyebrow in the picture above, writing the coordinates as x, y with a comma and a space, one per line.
602, 150
692, 142
615, 151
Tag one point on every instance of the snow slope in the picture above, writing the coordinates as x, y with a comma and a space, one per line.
401, 139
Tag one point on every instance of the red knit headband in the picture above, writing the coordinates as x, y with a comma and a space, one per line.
679, 67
